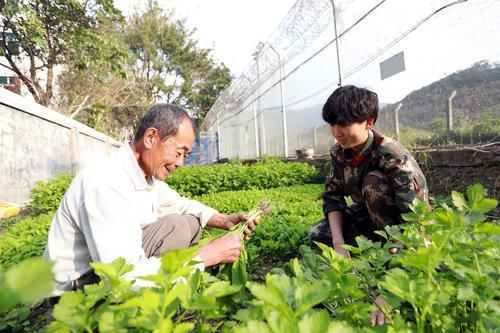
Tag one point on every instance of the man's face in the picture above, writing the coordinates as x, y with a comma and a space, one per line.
167, 155
352, 136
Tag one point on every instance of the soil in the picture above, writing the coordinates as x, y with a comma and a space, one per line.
443, 180
449, 168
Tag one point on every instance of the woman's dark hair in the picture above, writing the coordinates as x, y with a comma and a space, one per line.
165, 118
350, 104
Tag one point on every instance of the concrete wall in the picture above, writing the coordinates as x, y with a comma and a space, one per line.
37, 143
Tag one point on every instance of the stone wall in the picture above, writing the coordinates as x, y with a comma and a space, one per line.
37, 143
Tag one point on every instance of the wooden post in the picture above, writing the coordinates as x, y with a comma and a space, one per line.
396, 119
449, 119
315, 136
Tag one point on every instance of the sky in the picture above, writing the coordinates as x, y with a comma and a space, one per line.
232, 28
452, 40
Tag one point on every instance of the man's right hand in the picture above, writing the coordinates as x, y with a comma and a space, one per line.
223, 250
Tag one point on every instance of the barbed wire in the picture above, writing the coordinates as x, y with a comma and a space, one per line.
305, 21
300, 27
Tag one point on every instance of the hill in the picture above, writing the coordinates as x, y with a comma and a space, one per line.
477, 100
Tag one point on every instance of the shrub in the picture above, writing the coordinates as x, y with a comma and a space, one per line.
234, 176
46, 196
24, 240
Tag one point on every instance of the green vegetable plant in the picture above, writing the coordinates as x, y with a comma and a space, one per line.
236, 272
24, 240
46, 196
116, 305
442, 278
265, 174
21, 287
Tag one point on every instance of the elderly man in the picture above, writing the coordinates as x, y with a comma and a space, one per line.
121, 207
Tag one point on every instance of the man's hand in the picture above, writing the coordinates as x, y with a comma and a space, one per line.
223, 221
340, 250
378, 317
223, 250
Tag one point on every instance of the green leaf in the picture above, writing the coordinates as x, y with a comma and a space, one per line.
340, 327
426, 259
26, 282
253, 327
491, 229
397, 281
108, 322
71, 311
475, 193
174, 260
484, 206
220, 289
280, 323
364, 243
252, 313
314, 322
183, 327
112, 270
239, 275
466, 293
296, 269
459, 200
308, 296
270, 295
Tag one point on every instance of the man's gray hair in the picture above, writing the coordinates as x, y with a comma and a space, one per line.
166, 118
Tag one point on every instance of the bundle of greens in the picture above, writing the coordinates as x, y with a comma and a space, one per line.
237, 271
259, 212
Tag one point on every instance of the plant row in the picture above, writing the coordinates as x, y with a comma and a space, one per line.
197, 180
235, 176
296, 208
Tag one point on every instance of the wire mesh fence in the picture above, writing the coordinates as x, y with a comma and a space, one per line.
433, 63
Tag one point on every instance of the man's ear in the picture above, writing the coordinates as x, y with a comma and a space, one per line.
369, 123
149, 137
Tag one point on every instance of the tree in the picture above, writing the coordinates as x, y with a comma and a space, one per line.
163, 65
168, 62
100, 96
52, 33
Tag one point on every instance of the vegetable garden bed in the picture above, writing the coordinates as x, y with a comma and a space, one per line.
444, 279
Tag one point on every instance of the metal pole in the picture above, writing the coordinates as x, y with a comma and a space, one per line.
339, 67
219, 154
262, 142
450, 115
256, 126
283, 107
228, 139
396, 117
